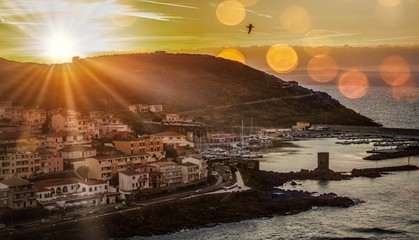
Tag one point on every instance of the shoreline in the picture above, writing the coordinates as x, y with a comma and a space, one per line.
264, 200
198, 212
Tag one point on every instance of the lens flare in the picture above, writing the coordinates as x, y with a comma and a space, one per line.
282, 58
395, 71
322, 68
389, 3
389, 16
353, 84
295, 19
232, 54
230, 12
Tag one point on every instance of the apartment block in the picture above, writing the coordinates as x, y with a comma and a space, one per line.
19, 165
50, 162
34, 116
131, 180
174, 139
60, 140
19, 142
21, 193
190, 172
144, 144
103, 168
171, 172
65, 120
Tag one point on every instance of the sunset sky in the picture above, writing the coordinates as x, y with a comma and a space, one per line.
56, 30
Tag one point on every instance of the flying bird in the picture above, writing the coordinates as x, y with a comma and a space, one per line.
250, 27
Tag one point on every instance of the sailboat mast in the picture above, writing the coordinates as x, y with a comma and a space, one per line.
242, 134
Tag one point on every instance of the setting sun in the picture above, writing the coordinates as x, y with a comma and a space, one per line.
60, 48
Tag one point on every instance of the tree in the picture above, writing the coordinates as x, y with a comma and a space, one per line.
83, 171
75, 59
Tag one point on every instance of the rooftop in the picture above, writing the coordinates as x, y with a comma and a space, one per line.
130, 172
65, 134
168, 134
14, 182
76, 148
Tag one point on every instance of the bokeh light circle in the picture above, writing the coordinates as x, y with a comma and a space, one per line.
389, 16
295, 19
230, 12
282, 58
353, 84
395, 71
232, 54
322, 68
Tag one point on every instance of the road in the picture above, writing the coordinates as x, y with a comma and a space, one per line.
99, 211
248, 103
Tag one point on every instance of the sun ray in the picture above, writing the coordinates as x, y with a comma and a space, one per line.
43, 89
101, 85
24, 90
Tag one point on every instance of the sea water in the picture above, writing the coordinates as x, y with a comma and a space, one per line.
388, 206
393, 107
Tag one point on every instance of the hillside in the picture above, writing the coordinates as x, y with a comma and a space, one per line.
202, 86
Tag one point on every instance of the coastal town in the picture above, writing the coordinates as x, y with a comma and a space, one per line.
61, 165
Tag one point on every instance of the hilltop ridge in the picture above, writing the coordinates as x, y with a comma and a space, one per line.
210, 89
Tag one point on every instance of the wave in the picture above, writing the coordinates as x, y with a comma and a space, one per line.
413, 222
338, 238
376, 230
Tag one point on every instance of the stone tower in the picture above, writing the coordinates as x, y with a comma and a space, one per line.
323, 161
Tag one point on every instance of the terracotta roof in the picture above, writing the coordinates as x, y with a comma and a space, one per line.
14, 182
119, 156
130, 172
93, 182
65, 134
43, 152
163, 163
41, 185
187, 164
76, 148
9, 136
168, 134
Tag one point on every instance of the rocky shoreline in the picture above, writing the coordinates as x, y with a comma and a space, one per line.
398, 154
264, 200
203, 211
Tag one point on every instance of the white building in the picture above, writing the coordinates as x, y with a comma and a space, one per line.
104, 167
174, 139
76, 152
70, 192
201, 163
190, 172
60, 140
171, 172
131, 180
